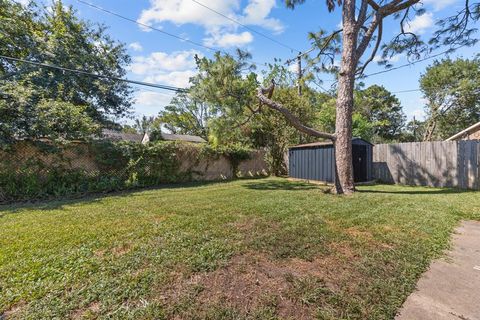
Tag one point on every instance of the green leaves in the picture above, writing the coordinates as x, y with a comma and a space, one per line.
451, 88
79, 103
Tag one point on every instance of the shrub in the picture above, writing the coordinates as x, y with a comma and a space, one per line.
52, 170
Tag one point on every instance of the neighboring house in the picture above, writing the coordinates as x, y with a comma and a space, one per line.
145, 138
121, 136
471, 133
182, 137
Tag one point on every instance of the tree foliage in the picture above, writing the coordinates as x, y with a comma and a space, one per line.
453, 96
58, 37
144, 124
382, 111
186, 114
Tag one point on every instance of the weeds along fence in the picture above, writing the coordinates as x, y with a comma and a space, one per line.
34, 170
437, 164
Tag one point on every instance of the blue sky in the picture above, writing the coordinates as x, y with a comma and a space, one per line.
162, 59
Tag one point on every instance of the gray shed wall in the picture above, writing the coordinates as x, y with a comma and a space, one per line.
318, 162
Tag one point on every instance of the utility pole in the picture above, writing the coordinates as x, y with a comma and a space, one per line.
299, 73
414, 129
299, 68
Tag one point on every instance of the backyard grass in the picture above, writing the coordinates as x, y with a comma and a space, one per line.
248, 249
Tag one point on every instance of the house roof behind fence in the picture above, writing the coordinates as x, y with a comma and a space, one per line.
464, 133
121, 136
182, 137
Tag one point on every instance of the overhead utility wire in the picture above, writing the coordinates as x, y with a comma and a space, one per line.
414, 62
157, 29
146, 25
405, 91
246, 27
141, 83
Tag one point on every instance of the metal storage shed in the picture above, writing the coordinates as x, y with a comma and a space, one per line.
316, 161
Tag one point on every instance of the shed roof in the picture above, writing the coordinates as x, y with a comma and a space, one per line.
324, 143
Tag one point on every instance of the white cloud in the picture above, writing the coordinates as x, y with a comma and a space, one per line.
187, 11
161, 61
181, 12
175, 78
24, 2
419, 114
392, 59
257, 12
174, 69
135, 46
439, 4
420, 24
152, 99
293, 67
228, 40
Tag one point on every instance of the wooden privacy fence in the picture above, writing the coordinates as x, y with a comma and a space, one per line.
436, 164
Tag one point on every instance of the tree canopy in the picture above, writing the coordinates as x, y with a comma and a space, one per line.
451, 88
58, 37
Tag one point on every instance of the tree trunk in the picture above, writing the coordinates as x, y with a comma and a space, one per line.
343, 126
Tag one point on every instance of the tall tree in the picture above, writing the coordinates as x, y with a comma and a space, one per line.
58, 37
187, 115
227, 85
453, 96
362, 34
144, 124
382, 110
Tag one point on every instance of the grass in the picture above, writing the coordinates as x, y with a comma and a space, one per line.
248, 249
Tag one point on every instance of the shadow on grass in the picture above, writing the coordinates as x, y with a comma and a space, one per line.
280, 185
416, 191
56, 203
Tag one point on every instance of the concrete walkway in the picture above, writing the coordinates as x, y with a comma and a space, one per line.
450, 289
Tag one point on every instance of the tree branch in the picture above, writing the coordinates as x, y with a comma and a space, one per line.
362, 15
395, 6
368, 34
375, 49
373, 4
292, 119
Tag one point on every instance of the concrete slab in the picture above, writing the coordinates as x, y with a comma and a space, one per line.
450, 289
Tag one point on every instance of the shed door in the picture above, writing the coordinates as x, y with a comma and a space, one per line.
359, 155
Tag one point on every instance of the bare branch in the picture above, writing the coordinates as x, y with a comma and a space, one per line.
292, 119
368, 35
373, 4
362, 15
396, 6
375, 49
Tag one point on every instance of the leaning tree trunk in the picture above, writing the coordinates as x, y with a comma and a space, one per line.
344, 107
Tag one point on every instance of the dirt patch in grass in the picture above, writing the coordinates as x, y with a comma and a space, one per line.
115, 251
91, 309
13, 310
253, 283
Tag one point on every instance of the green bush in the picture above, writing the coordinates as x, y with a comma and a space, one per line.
119, 166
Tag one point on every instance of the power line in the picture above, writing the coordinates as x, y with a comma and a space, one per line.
405, 91
141, 83
157, 29
146, 25
412, 63
246, 27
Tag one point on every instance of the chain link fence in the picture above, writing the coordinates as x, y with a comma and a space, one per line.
35, 170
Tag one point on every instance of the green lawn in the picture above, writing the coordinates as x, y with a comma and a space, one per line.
248, 249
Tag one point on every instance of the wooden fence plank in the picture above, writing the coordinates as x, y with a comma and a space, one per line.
441, 164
